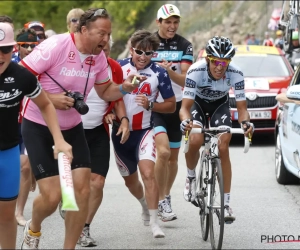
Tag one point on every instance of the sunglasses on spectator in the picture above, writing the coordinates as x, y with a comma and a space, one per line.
6, 49
217, 62
141, 52
41, 36
74, 20
98, 12
27, 45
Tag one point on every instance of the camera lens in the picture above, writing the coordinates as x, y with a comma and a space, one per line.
81, 107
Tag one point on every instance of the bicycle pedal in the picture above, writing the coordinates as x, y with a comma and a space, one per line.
228, 222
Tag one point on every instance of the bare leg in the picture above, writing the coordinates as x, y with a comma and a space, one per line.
25, 186
161, 165
8, 225
172, 170
46, 202
96, 195
134, 185
225, 161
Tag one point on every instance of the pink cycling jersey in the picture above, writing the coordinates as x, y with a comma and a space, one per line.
59, 57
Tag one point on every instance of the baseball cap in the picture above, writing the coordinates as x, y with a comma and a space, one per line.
295, 35
6, 35
279, 32
167, 10
36, 25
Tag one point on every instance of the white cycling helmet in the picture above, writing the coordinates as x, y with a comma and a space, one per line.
220, 47
167, 10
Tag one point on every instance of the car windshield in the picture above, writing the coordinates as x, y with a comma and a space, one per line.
261, 65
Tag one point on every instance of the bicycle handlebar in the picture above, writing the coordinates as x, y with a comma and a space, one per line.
216, 131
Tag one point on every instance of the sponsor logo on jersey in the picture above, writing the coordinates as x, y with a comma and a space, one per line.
235, 71
189, 49
167, 55
189, 93
7, 96
79, 73
242, 95
71, 55
90, 61
239, 85
228, 81
9, 80
144, 74
196, 69
190, 83
173, 47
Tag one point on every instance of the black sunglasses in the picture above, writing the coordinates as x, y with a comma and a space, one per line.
26, 45
74, 20
141, 52
98, 12
6, 49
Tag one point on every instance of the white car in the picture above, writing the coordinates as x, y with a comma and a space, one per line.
287, 152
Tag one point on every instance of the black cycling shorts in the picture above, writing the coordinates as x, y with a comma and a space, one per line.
38, 142
98, 142
218, 112
169, 123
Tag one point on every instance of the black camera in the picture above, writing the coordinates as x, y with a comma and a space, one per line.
79, 104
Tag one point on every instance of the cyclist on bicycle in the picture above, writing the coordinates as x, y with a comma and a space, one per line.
206, 92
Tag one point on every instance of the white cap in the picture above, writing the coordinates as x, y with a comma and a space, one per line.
6, 35
167, 10
293, 92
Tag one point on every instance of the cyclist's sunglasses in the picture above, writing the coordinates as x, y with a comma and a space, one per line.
6, 49
141, 52
27, 45
218, 62
98, 12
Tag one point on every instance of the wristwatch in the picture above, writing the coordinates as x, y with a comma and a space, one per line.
150, 106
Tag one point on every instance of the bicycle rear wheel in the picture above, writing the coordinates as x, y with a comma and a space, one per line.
216, 211
202, 196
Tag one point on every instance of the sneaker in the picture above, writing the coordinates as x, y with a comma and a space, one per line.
228, 215
168, 198
189, 192
61, 212
29, 241
156, 231
165, 212
85, 239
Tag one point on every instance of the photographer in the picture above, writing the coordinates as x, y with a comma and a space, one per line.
69, 66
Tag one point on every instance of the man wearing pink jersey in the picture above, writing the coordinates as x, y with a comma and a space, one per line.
68, 65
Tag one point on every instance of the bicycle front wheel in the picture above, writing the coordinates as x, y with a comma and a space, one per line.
216, 211
202, 196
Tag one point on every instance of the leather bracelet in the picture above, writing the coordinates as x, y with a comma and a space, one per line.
121, 90
124, 117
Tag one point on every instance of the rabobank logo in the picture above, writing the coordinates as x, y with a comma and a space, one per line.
79, 73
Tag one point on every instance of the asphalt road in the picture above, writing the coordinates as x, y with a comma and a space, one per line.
263, 209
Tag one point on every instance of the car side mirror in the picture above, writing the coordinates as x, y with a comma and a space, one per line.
293, 92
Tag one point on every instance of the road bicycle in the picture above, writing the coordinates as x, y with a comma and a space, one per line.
289, 22
209, 183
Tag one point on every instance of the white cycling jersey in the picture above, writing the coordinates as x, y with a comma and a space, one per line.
199, 84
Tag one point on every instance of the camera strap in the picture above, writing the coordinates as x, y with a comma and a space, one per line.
86, 83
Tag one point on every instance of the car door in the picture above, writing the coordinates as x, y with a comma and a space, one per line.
290, 130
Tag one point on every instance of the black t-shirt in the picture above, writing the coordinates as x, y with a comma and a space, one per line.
15, 83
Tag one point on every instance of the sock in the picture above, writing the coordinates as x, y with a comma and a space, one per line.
87, 225
226, 199
37, 234
153, 216
191, 173
143, 203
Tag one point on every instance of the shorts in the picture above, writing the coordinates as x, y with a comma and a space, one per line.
39, 142
21, 143
98, 143
169, 124
139, 146
9, 173
218, 111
